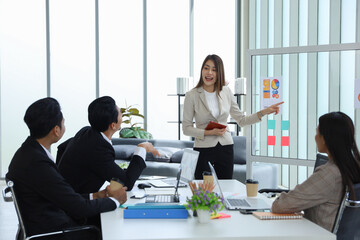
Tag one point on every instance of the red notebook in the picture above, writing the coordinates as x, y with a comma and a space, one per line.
213, 125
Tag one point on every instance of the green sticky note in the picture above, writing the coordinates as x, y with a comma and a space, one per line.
271, 124
285, 125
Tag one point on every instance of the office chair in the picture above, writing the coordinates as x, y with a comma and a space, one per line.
9, 196
320, 160
347, 223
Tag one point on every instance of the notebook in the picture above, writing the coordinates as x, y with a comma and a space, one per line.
211, 125
239, 203
171, 198
276, 216
188, 164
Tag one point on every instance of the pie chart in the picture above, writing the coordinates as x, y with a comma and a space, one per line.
275, 84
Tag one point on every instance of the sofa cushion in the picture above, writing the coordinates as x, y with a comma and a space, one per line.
165, 154
176, 157
124, 152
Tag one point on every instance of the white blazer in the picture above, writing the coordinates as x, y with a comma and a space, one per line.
195, 106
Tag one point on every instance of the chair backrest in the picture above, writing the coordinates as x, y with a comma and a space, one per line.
347, 224
320, 160
9, 195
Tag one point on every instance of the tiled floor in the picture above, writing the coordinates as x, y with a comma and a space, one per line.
8, 218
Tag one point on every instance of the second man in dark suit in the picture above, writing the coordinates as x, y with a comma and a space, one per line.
87, 160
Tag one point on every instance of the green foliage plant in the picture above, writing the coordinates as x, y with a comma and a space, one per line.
133, 131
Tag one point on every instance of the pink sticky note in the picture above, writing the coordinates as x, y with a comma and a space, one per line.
224, 215
271, 140
285, 141
220, 215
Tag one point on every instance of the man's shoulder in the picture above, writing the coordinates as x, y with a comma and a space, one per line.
89, 140
87, 134
31, 147
27, 156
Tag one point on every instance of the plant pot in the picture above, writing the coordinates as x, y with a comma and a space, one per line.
203, 216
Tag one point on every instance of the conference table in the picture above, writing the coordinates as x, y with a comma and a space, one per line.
238, 226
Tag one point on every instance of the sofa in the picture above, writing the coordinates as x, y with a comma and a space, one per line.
171, 152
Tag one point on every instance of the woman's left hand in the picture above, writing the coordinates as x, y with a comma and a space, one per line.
272, 109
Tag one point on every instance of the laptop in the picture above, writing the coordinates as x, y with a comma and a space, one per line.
169, 198
188, 164
252, 203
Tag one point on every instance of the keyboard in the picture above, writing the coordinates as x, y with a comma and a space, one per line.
234, 202
161, 199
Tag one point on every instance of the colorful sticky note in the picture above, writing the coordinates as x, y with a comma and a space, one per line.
285, 141
220, 215
285, 125
271, 140
271, 124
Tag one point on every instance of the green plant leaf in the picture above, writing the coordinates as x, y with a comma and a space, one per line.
142, 134
138, 115
146, 135
136, 134
133, 111
126, 133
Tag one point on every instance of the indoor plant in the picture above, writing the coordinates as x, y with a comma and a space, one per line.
204, 201
133, 131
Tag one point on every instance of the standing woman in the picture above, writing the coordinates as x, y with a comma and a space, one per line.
321, 194
211, 100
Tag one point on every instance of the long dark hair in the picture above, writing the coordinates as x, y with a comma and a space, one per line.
220, 80
338, 131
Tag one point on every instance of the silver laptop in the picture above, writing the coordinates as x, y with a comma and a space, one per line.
188, 164
169, 198
252, 203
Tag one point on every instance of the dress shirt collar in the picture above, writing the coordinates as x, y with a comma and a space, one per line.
48, 153
105, 137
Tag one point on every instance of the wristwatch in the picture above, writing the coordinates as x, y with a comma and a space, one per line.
260, 114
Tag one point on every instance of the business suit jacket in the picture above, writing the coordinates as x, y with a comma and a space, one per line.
47, 202
88, 161
319, 196
195, 106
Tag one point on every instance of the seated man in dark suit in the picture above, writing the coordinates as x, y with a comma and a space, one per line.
47, 202
87, 159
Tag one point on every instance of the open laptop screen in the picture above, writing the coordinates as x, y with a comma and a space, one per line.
188, 164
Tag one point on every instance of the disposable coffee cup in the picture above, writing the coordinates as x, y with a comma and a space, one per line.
252, 187
208, 178
116, 184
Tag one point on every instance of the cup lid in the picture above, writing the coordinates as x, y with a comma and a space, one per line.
251, 181
206, 173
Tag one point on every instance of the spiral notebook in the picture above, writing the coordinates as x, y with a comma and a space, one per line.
276, 216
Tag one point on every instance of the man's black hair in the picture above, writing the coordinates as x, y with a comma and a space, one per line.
42, 116
102, 112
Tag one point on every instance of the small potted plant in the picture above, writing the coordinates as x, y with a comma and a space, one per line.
204, 201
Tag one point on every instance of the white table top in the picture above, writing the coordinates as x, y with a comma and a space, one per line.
239, 226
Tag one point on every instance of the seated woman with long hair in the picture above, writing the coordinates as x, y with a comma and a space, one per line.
321, 194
